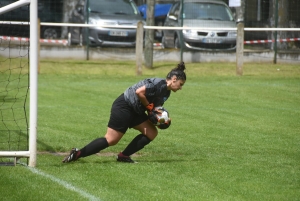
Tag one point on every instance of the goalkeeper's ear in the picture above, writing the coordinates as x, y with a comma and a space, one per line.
165, 125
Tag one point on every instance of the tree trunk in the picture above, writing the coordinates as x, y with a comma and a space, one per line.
68, 7
282, 21
149, 34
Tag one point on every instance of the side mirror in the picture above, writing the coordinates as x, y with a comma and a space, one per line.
79, 9
173, 17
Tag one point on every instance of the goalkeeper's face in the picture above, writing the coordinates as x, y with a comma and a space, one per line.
175, 84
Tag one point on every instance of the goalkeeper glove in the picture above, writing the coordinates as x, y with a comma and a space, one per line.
151, 113
165, 125
152, 117
150, 107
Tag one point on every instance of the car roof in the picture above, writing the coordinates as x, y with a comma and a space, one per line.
206, 1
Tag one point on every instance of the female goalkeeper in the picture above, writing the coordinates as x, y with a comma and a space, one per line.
128, 111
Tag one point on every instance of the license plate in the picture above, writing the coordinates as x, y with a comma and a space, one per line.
212, 40
118, 33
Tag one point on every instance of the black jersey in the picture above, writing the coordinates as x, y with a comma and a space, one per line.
156, 93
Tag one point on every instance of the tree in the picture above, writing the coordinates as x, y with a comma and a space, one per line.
149, 34
279, 17
68, 7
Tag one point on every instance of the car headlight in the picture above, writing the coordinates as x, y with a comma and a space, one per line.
232, 34
190, 32
93, 21
102, 23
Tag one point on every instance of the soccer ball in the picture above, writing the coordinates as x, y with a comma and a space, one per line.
162, 116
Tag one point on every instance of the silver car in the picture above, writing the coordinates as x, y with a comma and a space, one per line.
105, 13
200, 13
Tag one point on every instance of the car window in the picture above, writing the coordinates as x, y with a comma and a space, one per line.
174, 10
207, 11
126, 7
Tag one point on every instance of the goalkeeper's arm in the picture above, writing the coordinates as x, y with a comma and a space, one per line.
140, 92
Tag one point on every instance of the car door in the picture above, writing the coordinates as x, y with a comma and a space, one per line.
171, 21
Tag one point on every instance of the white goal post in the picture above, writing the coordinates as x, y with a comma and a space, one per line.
33, 63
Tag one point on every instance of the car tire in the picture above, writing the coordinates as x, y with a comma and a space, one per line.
163, 41
71, 41
81, 39
49, 33
177, 43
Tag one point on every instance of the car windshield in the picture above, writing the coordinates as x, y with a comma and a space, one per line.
121, 7
207, 11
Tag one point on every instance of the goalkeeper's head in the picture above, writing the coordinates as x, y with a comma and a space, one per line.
178, 72
176, 77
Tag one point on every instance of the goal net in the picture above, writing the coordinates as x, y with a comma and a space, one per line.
17, 76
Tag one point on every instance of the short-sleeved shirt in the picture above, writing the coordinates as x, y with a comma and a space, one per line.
156, 93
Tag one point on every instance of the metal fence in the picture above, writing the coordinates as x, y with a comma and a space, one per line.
271, 30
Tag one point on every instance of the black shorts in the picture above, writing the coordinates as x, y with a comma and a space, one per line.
122, 116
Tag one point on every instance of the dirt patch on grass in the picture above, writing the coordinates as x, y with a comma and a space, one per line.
108, 154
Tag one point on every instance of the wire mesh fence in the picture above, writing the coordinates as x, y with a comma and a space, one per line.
14, 84
198, 30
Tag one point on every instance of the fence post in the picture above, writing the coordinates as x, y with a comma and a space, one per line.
275, 33
149, 34
239, 48
139, 47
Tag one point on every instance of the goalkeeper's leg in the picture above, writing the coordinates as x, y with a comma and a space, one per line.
112, 137
149, 132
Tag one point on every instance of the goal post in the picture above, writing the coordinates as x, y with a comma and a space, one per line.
33, 81
33, 61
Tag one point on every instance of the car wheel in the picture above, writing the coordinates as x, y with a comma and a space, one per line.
159, 32
81, 42
49, 33
163, 41
177, 43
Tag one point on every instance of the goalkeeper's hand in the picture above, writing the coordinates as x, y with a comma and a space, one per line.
165, 125
150, 107
152, 117
151, 113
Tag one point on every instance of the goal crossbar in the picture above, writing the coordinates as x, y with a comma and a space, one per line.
14, 5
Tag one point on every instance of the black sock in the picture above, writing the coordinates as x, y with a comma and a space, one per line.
94, 147
136, 144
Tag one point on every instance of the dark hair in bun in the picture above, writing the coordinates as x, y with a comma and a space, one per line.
178, 72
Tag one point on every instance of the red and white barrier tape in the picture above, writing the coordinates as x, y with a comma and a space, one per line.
64, 42
157, 44
252, 41
271, 41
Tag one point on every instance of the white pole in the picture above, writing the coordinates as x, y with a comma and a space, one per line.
33, 59
139, 48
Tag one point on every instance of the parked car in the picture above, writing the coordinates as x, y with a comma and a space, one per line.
22, 15
160, 14
105, 13
198, 14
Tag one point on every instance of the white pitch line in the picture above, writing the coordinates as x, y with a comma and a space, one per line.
63, 183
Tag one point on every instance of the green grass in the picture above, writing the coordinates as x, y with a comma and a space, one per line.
232, 137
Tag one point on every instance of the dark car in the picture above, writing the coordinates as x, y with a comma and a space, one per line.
105, 13
21, 14
197, 16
